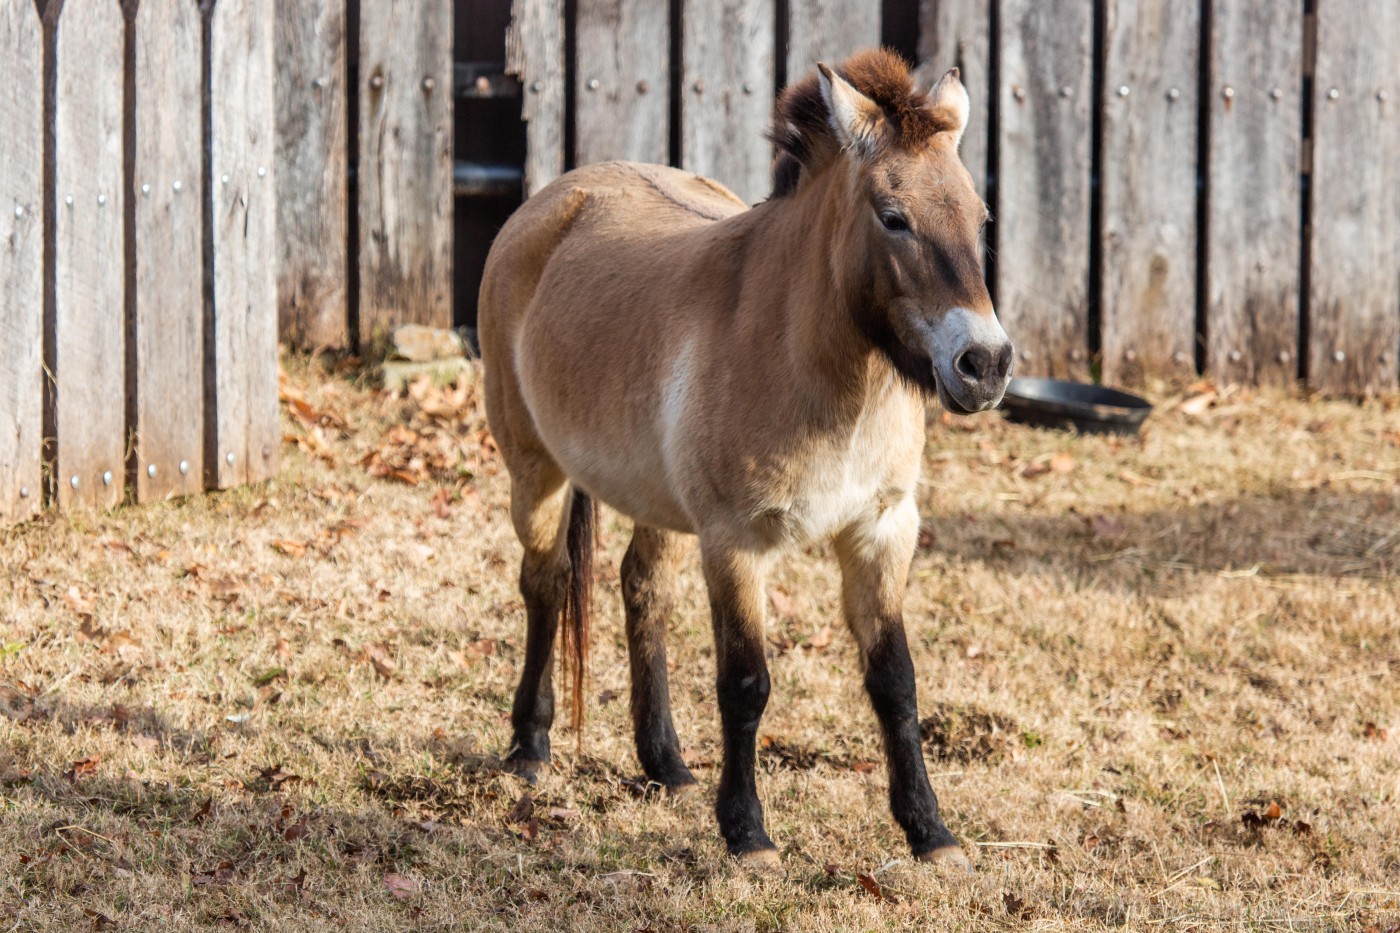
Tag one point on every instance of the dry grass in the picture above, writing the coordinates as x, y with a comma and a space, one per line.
1160, 678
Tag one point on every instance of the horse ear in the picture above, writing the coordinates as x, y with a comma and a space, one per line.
950, 105
855, 117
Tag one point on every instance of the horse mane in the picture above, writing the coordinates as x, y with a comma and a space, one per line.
802, 128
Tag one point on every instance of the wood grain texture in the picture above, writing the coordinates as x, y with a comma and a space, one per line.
405, 166
21, 262
1149, 190
169, 236
1354, 335
312, 174
828, 31
727, 93
1042, 221
958, 33
535, 54
622, 95
1254, 196
89, 241
244, 381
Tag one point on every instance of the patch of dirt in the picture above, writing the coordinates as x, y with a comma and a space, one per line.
965, 733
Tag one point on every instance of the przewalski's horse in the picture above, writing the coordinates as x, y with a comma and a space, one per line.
754, 377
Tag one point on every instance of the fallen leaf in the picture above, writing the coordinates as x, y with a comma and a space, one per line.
863, 767
524, 808
1375, 733
782, 602
378, 654
298, 830
289, 548
867, 881
75, 600
276, 776
83, 767
1110, 529
399, 886
1197, 404
100, 921
1015, 906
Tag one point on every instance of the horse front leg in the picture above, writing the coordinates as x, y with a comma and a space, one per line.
875, 555
735, 581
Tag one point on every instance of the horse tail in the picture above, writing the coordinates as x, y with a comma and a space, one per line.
578, 600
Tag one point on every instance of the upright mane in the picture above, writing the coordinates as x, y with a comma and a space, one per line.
802, 128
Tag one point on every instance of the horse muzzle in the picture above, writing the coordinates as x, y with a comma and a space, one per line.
972, 360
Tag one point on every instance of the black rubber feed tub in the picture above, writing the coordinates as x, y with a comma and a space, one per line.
1089, 409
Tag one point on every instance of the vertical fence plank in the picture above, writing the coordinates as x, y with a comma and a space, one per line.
535, 55
622, 92
243, 121
1043, 192
1354, 325
312, 170
1253, 225
21, 261
405, 165
90, 324
958, 33
169, 235
828, 31
1149, 189
727, 92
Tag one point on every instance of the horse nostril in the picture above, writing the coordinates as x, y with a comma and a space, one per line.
974, 363
1003, 363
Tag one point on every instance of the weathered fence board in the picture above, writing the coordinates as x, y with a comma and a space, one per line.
1355, 302
1043, 194
243, 446
535, 54
21, 261
828, 31
1254, 196
169, 234
312, 170
405, 166
727, 92
1149, 189
89, 312
622, 95
958, 33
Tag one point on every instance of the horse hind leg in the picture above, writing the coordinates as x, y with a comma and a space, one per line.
649, 596
539, 499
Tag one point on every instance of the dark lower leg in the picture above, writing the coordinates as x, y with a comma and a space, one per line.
646, 589
743, 695
889, 679
542, 585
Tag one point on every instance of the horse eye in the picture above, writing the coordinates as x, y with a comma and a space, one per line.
893, 221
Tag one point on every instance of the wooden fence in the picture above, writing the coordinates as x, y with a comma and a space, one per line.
1178, 186
138, 327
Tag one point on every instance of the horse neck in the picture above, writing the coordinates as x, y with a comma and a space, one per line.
819, 265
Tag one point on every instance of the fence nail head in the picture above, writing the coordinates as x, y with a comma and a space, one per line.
376, 82
321, 81
146, 189
1236, 356
73, 482
1018, 92
593, 84
643, 87
24, 492
429, 84
1178, 357
224, 178
262, 171
747, 88
151, 470
228, 458
68, 199
699, 86
1123, 90
1276, 93
1284, 356
19, 212
1067, 91
106, 477
536, 86
101, 200
1333, 94
1228, 92
1130, 355
1381, 95
184, 467
178, 185
1173, 93
1338, 356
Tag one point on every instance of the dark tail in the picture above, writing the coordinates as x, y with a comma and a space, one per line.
583, 522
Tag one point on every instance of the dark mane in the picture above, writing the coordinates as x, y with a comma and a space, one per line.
802, 128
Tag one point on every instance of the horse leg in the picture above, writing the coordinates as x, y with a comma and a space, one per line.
735, 581
649, 595
538, 499
875, 555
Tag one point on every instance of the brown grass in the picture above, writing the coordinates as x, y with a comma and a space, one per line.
1160, 682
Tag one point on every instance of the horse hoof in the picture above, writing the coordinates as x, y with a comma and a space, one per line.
952, 856
762, 862
528, 770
